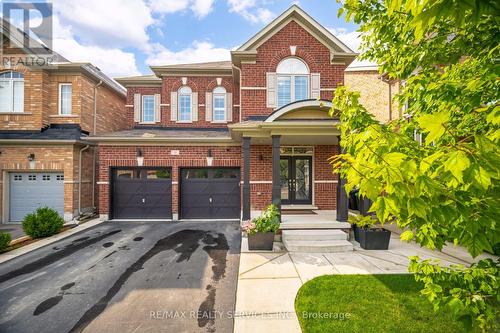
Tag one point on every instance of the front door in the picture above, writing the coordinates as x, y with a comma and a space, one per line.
296, 180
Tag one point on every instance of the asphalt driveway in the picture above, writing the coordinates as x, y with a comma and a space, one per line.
126, 277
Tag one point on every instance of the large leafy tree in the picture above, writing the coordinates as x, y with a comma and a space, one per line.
445, 187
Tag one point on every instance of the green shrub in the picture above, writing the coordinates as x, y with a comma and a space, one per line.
43, 222
4, 240
268, 221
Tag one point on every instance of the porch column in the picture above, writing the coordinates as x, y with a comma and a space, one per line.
342, 199
276, 192
246, 178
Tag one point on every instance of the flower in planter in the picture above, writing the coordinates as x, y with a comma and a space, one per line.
249, 227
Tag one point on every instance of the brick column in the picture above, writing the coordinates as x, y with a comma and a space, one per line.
276, 191
246, 179
342, 199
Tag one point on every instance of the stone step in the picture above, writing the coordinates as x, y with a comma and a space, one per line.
314, 225
318, 246
314, 234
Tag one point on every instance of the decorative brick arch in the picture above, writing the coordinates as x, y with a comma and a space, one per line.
301, 54
225, 83
178, 83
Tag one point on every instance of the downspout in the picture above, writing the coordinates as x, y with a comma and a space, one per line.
80, 180
94, 151
390, 101
95, 106
240, 108
386, 79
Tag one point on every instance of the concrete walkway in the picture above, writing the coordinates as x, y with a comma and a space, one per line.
268, 281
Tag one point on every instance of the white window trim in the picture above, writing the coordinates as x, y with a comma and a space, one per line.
142, 110
292, 87
60, 99
11, 83
179, 94
223, 95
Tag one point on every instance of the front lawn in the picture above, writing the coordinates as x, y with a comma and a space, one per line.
369, 303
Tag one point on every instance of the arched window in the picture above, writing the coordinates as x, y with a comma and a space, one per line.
293, 81
184, 104
219, 103
11, 92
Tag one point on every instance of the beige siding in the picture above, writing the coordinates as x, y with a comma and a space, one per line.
374, 93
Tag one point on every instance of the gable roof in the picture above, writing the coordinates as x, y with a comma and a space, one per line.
141, 80
338, 50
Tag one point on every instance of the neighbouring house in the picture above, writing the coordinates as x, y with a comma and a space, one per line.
222, 140
377, 91
46, 115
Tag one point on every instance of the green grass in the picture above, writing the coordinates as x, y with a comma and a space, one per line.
374, 303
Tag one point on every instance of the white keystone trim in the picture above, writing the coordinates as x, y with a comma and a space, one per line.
102, 183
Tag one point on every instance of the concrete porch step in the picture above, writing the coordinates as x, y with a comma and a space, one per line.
318, 246
313, 234
308, 224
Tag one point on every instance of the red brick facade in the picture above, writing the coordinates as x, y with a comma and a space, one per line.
248, 79
113, 156
200, 85
324, 181
277, 48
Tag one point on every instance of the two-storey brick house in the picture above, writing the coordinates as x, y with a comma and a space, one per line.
222, 140
46, 114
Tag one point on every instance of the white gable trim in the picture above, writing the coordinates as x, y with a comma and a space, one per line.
295, 13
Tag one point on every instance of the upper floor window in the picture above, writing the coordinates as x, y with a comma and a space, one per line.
292, 81
65, 98
148, 109
184, 104
11, 92
219, 96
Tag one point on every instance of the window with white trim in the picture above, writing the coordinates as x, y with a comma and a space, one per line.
148, 109
11, 92
184, 104
65, 98
219, 104
292, 81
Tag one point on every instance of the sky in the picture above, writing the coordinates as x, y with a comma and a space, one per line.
125, 37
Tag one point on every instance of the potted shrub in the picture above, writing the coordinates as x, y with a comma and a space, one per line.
261, 230
369, 236
43, 222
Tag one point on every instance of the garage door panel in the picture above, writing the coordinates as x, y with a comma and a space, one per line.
215, 194
142, 197
29, 191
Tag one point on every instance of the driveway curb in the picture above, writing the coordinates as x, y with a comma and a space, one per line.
47, 241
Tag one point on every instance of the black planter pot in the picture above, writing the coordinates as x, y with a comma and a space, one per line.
261, 241
374, 238
355, 230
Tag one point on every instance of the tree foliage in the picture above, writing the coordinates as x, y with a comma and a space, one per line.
445, 189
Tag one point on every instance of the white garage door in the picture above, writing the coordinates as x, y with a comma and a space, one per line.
28, 191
